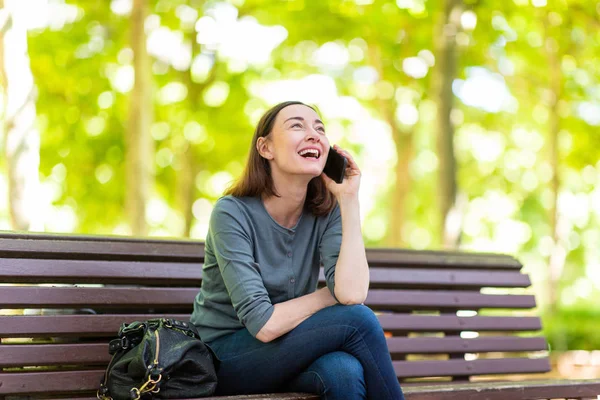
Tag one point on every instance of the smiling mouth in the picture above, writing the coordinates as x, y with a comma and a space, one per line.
313, 154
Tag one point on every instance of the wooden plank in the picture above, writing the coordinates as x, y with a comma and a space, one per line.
99, 248
518, 390
418, 369
393, 278
72, 325
445, 345
405, 323
59, 382
442, 300
16, 355
15, 270
108, 324
183, 298
407, 257
50, 382
268, 396
97, 297
28, 245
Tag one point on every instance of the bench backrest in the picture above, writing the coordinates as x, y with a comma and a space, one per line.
445, 314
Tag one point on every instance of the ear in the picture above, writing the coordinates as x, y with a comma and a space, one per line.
263, 148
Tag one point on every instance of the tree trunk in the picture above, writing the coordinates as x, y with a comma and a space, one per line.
559, 252
445, 43
21, 138
140, 154
404, 152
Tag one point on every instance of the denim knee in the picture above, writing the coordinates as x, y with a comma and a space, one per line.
362, 318
341, 375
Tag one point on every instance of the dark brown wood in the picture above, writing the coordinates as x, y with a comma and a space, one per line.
18, 270
270, 396
97, 297
50, 382
521, 390
108, 325
416, 369
445, 345
31, 383
441, 300
54, 354
444, 278
71, 325
273, 396
99, 248
402, 323
406, 257
97, 353
26, 245
78, 297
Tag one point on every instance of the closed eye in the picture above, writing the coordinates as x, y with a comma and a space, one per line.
297, 124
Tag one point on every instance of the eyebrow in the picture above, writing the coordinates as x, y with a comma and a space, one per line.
302, 119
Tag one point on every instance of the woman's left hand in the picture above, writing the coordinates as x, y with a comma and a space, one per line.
350, 184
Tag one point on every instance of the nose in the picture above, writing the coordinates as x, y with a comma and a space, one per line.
314, 136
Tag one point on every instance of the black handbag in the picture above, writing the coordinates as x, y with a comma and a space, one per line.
159, 359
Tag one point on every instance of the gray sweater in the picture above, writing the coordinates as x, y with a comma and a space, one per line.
251, 263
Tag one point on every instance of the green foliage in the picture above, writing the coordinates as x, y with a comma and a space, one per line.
504, 165
572, 328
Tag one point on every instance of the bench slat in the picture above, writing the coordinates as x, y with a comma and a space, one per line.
269, 396
440, 300
17, 270
404, 323
97, 353
445, 345
86, 381
183, 298
389, 278
68, 381
527, 390
99, 248
409, 257
125, 248
418, 369
108, 325
54, 354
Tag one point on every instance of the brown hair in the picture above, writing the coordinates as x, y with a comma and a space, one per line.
256, 180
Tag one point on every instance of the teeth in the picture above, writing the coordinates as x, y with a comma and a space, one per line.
315, 152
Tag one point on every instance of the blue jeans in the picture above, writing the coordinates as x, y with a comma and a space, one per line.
339, 352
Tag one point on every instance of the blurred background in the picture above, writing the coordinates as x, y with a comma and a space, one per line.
475, 123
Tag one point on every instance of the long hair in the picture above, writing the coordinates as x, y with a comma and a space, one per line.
256, 180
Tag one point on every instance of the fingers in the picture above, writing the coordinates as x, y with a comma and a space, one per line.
351, 163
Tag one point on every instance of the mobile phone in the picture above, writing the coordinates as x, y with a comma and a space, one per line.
335, 166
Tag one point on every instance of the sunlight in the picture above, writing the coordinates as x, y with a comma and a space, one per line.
485, 90
240, 41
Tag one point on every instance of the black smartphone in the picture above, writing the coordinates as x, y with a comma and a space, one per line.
335, 166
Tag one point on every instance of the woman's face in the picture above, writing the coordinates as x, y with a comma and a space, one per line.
297, 144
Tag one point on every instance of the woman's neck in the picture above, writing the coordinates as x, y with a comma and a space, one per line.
287, 209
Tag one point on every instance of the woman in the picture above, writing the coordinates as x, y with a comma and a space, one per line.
258, 307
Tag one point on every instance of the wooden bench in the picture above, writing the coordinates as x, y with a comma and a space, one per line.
446, 315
